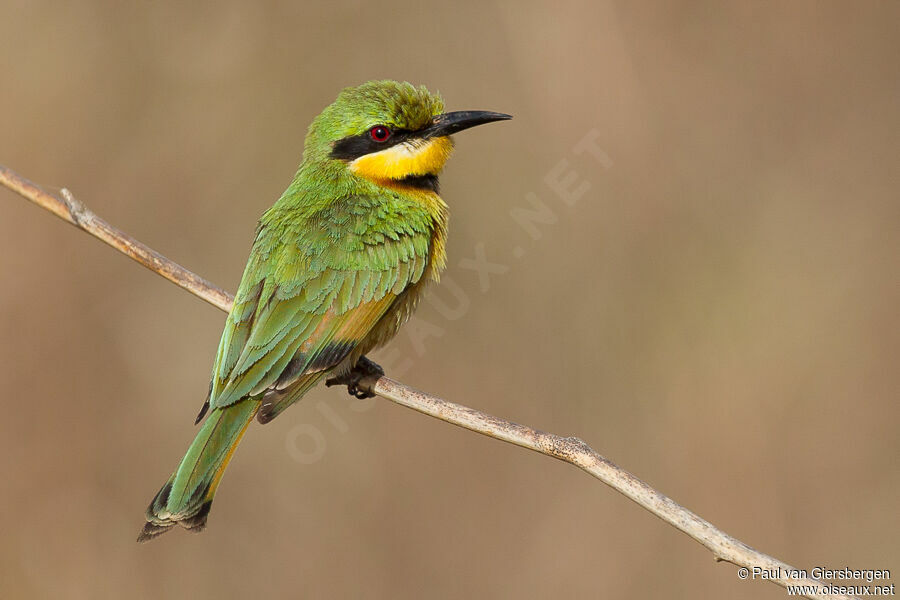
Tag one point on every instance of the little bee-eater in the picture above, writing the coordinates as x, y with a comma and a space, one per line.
338, 265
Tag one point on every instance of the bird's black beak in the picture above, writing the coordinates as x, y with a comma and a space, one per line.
453, 122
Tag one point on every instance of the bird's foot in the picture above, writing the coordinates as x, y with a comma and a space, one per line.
360, 380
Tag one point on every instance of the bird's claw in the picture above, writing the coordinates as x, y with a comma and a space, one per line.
360, 379
353, 390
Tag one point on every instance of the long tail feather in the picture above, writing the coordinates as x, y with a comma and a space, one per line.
187, 497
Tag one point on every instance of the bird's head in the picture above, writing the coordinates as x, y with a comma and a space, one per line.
389, 133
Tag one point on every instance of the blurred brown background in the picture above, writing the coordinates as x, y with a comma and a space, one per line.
717, 312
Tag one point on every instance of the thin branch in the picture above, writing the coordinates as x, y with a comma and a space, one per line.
69, 209
568, 449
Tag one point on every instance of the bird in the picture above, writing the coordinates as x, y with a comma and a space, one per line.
338, 264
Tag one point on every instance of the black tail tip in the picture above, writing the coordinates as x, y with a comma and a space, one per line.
195, 524
152, 530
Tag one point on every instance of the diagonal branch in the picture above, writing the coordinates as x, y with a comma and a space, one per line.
568, 449
69, 209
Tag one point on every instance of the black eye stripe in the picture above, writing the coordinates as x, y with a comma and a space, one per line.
354, 146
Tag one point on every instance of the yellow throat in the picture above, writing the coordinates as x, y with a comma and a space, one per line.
409, 159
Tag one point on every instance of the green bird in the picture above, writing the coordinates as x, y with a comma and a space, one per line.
338, 264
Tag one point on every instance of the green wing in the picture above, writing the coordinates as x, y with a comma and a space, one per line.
307, 299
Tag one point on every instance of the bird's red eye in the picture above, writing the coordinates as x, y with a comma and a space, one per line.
380, 133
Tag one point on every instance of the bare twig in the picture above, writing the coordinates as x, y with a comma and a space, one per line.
568, 449
69, 209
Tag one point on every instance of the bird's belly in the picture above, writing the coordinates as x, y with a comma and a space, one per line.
388, 326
